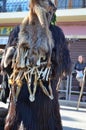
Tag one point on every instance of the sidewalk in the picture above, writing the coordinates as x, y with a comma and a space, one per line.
72, 103
73, 119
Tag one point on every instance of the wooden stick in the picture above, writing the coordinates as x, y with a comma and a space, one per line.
81, 89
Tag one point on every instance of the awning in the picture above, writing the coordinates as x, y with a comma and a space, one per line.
73, 31
3, 40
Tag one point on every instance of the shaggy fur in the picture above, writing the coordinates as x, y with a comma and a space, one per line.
35, 38
5, 91
43, 113
6, 63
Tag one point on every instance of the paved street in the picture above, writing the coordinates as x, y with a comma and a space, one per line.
73, 119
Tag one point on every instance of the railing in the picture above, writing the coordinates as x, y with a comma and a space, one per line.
69, 89
22, 5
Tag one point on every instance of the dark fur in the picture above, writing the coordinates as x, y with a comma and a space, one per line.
35, 34
43, 113
12, 42
13, 38
5, 91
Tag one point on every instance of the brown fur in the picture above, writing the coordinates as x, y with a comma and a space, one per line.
10, 119
40, 8
34, 32
42, 105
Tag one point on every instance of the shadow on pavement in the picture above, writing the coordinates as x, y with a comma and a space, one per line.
68, 118
71, 109
69, 128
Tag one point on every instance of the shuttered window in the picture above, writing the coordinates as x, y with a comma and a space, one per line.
77, 48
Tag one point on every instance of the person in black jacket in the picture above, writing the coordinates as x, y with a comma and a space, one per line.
79, 68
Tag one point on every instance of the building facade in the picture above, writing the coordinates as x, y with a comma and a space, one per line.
71, 17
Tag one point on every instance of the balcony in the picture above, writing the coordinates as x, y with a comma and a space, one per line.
67, 11
71, 15
23, 5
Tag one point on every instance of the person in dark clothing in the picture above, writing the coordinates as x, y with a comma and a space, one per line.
79, 68
80, 65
